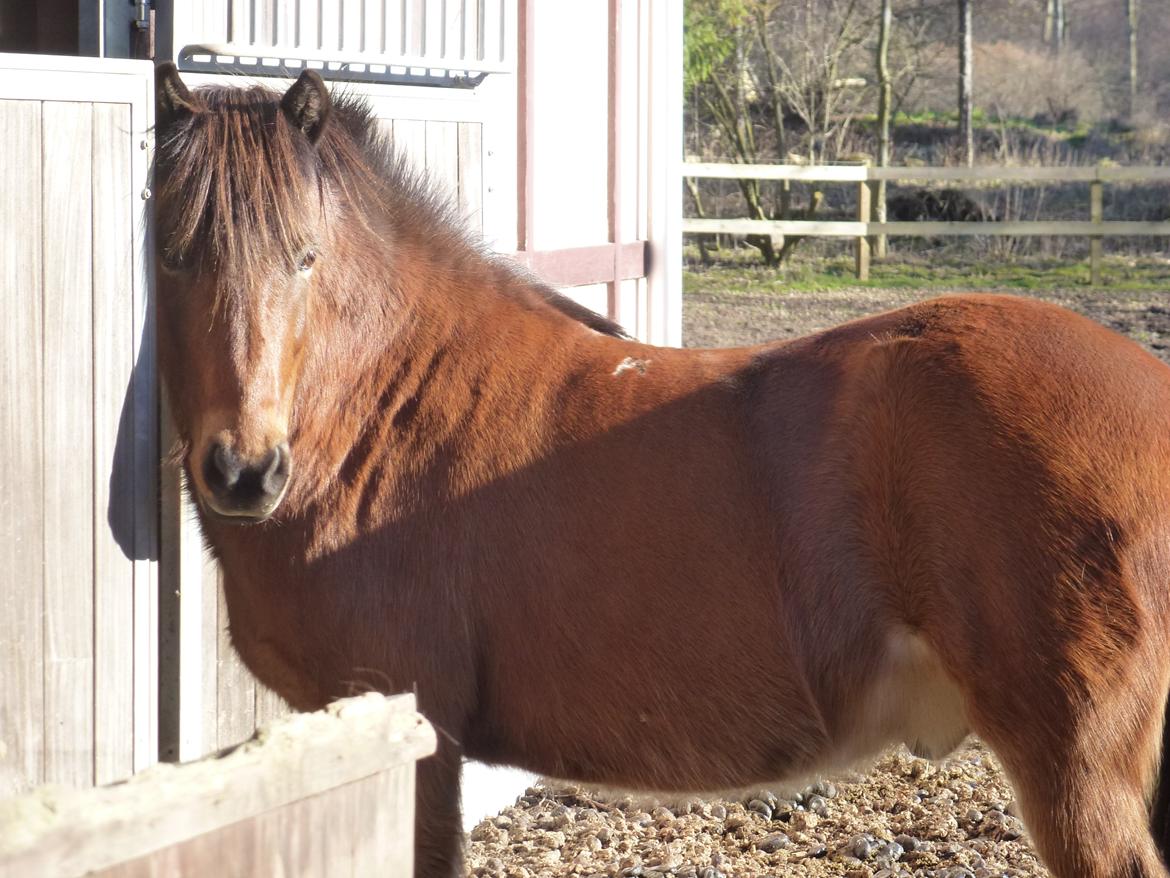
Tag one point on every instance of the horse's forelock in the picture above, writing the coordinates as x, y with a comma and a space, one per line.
236, 183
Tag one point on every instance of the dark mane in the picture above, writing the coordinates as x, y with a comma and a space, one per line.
233, 182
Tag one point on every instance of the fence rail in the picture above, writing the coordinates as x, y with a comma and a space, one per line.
864, 228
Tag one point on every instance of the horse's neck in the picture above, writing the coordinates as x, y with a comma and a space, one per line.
401, 391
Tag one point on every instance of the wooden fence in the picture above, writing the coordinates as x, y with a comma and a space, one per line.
323, 794
866, 178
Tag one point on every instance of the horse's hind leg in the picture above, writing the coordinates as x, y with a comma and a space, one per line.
1083, 787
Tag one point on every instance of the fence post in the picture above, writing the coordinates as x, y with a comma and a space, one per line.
864, 202
1096, 212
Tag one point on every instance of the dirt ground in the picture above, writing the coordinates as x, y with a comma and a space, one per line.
721, 319
906, 817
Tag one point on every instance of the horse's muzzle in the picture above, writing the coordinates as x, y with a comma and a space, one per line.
242, 490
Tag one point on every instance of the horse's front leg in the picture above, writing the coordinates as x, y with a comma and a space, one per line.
438, 822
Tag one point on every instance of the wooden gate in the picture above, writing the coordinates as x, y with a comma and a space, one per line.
78, 417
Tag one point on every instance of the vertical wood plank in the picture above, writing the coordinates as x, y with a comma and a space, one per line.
470, 166
434, 33
113, 447
442, 158
66, 241
236, 688
864, 200
210, 636
146, 465
329, 34
492, 28
21, 494
392, 26
308, 24
1096, 213
240, 21
414, 27
265, 15
352, 23
374, 26
410, 140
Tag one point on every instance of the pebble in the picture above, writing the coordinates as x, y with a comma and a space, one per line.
817, 805
769, 844
911, 820
761, 808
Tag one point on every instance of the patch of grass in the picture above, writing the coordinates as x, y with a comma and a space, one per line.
736, 276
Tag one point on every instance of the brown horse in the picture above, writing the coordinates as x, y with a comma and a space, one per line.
663, 569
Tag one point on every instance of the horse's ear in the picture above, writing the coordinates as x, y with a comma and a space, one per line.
307, 104
172, 99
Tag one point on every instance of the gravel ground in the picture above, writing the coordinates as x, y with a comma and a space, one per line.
906, 817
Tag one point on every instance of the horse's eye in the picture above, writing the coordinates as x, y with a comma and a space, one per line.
307, 260
172, 260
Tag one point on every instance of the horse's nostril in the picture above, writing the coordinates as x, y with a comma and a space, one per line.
275, 470
245, 488
222, 468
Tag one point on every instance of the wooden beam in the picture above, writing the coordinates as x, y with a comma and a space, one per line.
844, 229
65, 832
580, 266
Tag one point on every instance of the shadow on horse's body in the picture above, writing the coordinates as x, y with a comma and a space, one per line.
665, 569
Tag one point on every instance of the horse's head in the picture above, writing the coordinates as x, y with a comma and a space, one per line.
242, 223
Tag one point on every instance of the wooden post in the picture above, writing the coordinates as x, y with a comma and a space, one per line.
1096, 212
864, 202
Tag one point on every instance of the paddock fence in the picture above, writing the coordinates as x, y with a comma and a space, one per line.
866, 178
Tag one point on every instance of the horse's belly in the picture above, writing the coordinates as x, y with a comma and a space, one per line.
910, 699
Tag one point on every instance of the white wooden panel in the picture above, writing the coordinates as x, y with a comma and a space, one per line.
240, 21
410, 140
66, 240
352, 23
442, 158
330, 25
595, 296
571, 58
235, 686
113, 450
470, 163
21, 493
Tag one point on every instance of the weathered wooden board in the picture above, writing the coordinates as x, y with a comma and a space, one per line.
21, 492
67, 437
113, 510
323, 794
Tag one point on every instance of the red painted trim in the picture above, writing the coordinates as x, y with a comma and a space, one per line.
579, 266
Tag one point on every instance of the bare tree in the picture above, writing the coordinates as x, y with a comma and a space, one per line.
885, 100
1131, 27
966, 82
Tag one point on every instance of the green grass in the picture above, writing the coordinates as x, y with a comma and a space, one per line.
941, 273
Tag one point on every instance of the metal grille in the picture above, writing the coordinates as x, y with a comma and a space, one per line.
437, 42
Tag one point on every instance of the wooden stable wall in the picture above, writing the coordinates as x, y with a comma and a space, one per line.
78, 666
